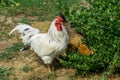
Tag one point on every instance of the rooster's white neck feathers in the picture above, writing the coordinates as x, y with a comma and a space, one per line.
56, 35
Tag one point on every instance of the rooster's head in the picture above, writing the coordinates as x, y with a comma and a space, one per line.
58, 23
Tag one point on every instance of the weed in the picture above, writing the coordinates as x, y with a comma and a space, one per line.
10, 52
26, 69
49, 76
3, 35
6, 3
24, 20
4, 73
15, 48
5, 55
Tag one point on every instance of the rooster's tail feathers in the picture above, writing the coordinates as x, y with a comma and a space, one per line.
12, 30
20, 27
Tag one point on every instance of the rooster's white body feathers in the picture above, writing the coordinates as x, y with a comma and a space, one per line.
50, 44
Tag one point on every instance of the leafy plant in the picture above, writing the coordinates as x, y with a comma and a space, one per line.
24, 20
100, 23
26, 68
10, 52
4, 3
15, 48
4, 73
5, 55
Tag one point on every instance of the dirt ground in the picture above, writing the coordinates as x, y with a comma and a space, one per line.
26, 65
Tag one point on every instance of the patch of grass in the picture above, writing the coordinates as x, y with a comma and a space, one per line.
10, 52
24, 20
15, 48
26, 69
49, 76
4, 73
5, 55
8, 3
44, 9
2, 34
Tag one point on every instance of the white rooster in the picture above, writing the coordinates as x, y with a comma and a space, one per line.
46, 45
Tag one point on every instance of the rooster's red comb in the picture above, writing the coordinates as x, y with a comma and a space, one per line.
59, 18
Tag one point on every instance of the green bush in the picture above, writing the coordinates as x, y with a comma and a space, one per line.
100, 22
8, 3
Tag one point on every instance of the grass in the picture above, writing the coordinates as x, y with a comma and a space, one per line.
10, 52
49, 76
24, 20
26, 69
4, 73
5, 55
15, 48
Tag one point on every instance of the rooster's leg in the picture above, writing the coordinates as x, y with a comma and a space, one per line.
49, 67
